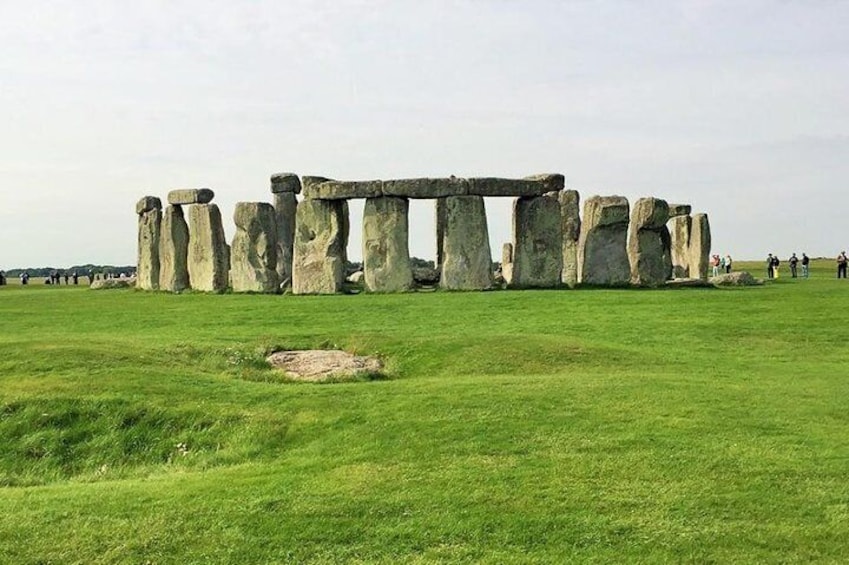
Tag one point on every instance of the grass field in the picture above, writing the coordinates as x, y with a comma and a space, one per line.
688, 425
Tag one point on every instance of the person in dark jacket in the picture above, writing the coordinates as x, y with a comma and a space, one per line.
805, 262
794, 261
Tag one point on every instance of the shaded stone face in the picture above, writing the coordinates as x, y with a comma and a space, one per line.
700, 246
285, 208
570, 215
319, 252
439, 211
679, 235
386, 255
253, 254
285, 182
147, 266
646, 250
173, 251
147, 204
343, 190
602, 248
666, 240
537, 243
208, 262
190, 196
507, 262
466, 257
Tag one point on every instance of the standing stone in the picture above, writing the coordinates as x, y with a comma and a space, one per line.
149, 210
570, 216
537, 243
646, 250
285, 208
679, 235
208, 266
602, 250
253, 255
318, 265
466, 257
174, 251
507, 262
386, 254
700, 246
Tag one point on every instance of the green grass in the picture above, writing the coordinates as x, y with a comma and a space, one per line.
690, 425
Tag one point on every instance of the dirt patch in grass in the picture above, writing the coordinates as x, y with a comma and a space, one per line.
321, 365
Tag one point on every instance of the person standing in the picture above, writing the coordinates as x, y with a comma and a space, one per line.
76, 278
776, 262
805, 262
769, 266
841, 265
714, 261
794, 261
728, 263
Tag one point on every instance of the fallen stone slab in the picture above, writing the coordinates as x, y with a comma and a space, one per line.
426, 187
536, 185
190, 196
688, 283
110, 284
738, 278
319, 365
285, 182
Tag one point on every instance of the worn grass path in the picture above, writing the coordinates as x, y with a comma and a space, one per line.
550, 426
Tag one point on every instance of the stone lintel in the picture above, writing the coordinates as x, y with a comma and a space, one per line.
343, 190
285, 182
679, 210
536, 185
426, 187
190, 196
148, 204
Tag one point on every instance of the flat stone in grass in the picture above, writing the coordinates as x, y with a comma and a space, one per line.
317, 365
739, 278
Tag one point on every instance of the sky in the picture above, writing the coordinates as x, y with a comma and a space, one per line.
740, 109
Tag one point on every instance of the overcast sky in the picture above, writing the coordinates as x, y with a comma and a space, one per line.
738, 108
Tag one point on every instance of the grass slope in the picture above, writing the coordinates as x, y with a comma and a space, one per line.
549, 426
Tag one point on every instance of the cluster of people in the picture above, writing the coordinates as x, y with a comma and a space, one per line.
55, 277
719, 264
773, 264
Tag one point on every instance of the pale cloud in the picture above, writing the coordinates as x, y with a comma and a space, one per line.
738, 108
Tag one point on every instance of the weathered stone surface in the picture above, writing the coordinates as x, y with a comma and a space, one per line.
173, 251
110, 284
439, 210
537, 243
319, 265
602, 251
536, 185
507, 262
147, 204
737, 278
570, 216
147, 265
285, 182
700, 246
386, 254
208, 265
426, 187
343, 190
645, 244
679, 210
190, 196
687, 283
466, 257
253, 254
285, 208
679, 235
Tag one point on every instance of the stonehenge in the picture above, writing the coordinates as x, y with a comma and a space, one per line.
302, 242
